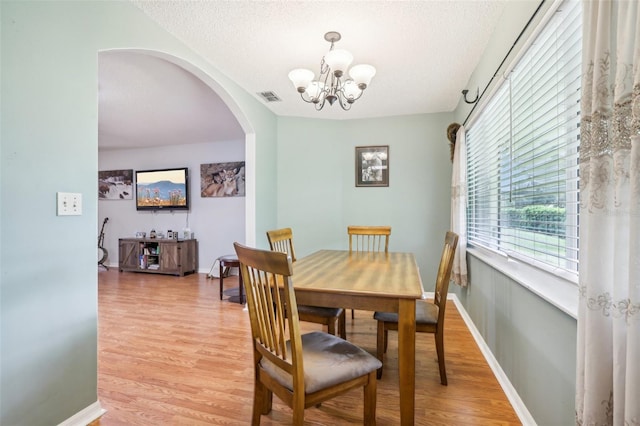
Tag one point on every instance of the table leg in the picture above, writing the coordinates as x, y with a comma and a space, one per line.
407, 359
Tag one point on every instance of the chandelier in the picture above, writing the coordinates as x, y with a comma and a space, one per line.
331, 84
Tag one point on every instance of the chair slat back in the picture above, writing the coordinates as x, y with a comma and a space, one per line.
369, 238
271, 301
282, 240
444, 273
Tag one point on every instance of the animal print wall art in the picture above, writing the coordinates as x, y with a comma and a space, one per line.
222, 179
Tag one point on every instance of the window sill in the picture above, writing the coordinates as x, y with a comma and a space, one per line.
558, 291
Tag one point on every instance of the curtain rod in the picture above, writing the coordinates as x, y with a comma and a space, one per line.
503, 61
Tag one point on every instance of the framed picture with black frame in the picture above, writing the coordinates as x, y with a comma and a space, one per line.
372, 165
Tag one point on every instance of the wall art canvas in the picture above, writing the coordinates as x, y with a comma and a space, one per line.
222, 179
115, 185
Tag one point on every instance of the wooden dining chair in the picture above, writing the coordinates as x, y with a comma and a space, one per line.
429, 314
282, 240
368, 239
303, 370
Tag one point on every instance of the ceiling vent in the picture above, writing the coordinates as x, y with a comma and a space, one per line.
270, 96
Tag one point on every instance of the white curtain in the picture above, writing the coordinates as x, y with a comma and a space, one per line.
608, 359
459, 207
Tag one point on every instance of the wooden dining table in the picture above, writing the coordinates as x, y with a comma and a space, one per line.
388, 282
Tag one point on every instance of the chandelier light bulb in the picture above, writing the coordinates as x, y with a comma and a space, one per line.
301, 78
315, 91
351, 91
338, 60
362, 75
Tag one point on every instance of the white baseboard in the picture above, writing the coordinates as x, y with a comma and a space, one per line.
86, 416
513, 397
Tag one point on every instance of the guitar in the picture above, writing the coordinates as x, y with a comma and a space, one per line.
102, 252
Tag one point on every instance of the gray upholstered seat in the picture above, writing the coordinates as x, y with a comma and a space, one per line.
305, 310
282, 240
429, 315
327, 360
426, 313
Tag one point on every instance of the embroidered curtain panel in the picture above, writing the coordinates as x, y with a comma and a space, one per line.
608, 363
459, 208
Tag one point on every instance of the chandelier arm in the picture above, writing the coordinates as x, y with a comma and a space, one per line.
359, 96
309, 101
324, 68
343, 103
352, 100
327, 87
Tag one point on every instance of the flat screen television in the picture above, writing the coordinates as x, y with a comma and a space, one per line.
162, 189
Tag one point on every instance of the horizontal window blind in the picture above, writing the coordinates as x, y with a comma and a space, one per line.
522, 152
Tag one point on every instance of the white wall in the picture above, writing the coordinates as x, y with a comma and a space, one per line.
216, 222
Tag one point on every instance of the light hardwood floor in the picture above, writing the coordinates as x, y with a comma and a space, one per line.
171, 353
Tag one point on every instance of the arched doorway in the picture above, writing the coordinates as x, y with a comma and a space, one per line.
144, 97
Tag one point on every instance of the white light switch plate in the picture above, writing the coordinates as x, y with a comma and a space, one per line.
69, 204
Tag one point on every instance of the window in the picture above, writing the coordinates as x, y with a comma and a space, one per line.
522, 153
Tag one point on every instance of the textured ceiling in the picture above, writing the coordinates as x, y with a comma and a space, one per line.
424, 53
145, 101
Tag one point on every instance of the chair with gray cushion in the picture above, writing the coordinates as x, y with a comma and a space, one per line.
282, 240
301, 370
429, 315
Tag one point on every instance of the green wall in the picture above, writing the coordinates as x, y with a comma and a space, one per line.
48, 278
318, 199
533, 341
